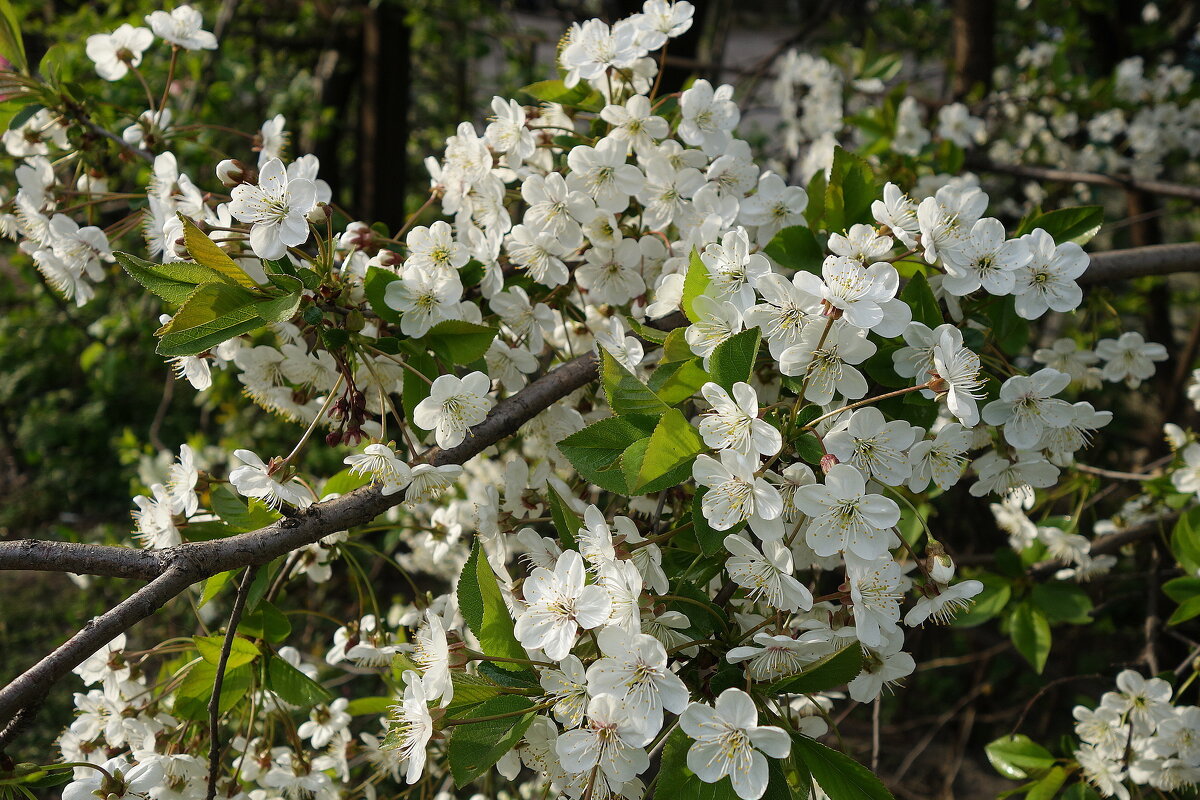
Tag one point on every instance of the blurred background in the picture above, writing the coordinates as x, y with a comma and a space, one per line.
88, 412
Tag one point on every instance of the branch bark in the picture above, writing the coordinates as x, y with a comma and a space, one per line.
1138, 262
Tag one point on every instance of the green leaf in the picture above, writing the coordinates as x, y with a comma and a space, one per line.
1030, 632
12, 46
566, 521
581, 96
711, 541
214, 313
850, 192
279, 309
266, 622
476, 747
829, 672
1063, 602
234, 512
1047, 787
195, 691
595, 450
344, 482
1018, 757
375, 288
920, 299
293, 685
676, 348
672, 447
213, 587
644, 331
241, 651
808, 448
369, 706
173, 282
483, 608
1080, 791
1188, 609
1182, 588
814, 212
838, 775
626, 394
695, 283
458, 342
732, 360
204, 251
1008, 329
796, 248
1185, 541
414, 390
676, 381
1076, 224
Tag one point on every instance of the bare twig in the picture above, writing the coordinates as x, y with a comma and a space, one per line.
1162, 188
1138, 262
214, 702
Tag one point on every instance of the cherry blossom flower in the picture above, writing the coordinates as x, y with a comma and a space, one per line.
768, 575
1129, 358
380, 462
1047, 282
410, 726
735, 494
708, 116
559, 604
183, 26
114, 53
845, 517
255, 479
275, 209
729, 741
454, 405
634, 670
733, 424
609, 740
1027, 406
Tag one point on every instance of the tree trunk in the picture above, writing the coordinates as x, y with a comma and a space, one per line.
974, 45
383, 117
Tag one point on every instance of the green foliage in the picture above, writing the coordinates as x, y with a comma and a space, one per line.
838, 775
796, 248
625, 393
732, 361
476, 747
293, 685
829, 672
1018, 757
1078, 224
695, 283
1030, 632
850, 192
566, 521
241, 651
459, 342
482, 606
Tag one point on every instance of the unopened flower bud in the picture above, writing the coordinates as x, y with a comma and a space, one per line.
231, 172
318, 214
941, 568
828, 462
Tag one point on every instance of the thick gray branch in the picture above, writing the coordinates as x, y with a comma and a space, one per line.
1138, 262
82, 559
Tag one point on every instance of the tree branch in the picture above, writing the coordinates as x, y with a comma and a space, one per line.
81, 559
175, 569
1138, 262
1162, 188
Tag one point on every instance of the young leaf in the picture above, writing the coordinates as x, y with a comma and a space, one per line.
580, 96
375, 288
835, 669
796, 248
850, 192
414, 390
1076, 224
173, 282
626, 394
1030, 632
12, 45
1018, 757
475, 748
195, 691
204, 251
838, 775
293, 685
695, 282
207, 319
672, 447
483, 608
241, 651
459, 342
733, 359
595, 450
920, 299
676, 381
566, 521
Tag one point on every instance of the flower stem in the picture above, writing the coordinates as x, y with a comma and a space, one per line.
506, 715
